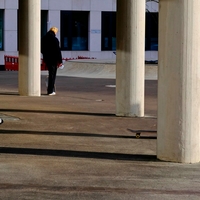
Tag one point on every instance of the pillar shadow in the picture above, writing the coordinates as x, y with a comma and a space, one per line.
77, 154
57, 112
71, 134
9, 93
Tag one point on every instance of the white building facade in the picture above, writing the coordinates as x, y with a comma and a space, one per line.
86, 27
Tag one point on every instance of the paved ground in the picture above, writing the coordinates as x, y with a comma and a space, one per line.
95, 68
72, 146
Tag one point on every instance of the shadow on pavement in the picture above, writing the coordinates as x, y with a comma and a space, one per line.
71, 134
57, 112
78, 154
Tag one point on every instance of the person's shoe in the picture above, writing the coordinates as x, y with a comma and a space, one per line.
51, 94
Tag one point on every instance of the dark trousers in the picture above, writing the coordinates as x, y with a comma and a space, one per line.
52, 78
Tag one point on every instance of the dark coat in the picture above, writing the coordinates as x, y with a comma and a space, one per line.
50, 49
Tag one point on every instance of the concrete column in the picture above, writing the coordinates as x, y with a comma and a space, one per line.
179, 81
29, 48
130, 58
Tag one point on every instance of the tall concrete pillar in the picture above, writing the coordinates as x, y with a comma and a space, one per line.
179, 81
130, 58
29, 48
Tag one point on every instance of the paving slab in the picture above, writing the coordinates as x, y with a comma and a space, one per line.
72, 146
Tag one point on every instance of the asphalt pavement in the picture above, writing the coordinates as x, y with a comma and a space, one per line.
72, 146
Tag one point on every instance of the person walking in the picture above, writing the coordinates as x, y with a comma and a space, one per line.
52, 57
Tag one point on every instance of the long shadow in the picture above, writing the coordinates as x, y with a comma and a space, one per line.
64, 113
57, 112
67, 134
77, 154
9, 93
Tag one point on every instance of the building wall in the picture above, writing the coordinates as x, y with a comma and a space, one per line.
10, 28
54, 8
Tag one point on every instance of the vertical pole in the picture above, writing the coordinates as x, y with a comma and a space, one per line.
29, 48
179, 81
130, 58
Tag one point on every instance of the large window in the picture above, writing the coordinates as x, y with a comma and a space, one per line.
108, 31
151, 36
1, 28
74, 30
44, 17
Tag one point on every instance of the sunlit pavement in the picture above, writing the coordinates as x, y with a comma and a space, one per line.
72, 146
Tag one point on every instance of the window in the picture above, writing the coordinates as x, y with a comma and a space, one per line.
44, 17
74, 30
151, 35
1, 28
108, 31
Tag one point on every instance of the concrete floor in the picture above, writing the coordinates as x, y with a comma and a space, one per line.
72, 146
